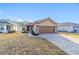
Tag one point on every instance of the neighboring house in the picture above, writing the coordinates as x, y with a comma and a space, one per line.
7, 26
68, 27
43, 26
22, 24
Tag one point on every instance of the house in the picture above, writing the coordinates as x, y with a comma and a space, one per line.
43, 26
68, 27
22, 25
7, 26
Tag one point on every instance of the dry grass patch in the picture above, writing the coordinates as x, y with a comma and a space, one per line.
10, 35
75, 35
21, 44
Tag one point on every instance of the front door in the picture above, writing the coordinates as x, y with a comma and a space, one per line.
29, 28
8, 28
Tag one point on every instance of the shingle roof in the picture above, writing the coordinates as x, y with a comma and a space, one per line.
6, 21
3, 21
39, 21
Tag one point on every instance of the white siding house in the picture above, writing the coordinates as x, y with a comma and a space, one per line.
7, 26
68, 27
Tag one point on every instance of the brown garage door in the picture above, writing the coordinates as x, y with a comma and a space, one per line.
46, 29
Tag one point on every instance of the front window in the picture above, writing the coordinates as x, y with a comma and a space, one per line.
2, 28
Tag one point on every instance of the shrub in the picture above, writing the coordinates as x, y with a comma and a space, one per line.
24, 31
12, 31
33, 33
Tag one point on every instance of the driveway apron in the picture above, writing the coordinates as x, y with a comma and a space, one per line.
65, 44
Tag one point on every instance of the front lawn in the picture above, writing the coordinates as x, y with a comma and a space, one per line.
20, 44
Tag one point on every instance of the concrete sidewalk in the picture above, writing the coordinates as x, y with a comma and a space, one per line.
67, 45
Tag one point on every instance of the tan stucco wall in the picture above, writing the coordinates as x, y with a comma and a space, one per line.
46, 23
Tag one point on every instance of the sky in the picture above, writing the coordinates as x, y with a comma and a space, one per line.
36, 11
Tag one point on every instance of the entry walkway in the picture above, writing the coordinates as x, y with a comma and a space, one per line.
67, 45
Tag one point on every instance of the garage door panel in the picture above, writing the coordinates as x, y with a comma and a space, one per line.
46, 29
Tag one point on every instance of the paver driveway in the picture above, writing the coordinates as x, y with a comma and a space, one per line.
67, 45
